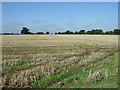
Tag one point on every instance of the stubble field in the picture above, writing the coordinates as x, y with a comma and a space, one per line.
60, 61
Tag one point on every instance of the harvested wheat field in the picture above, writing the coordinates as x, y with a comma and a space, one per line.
60, 61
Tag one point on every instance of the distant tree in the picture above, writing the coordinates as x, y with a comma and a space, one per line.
39, 33
59, 32
117, 31
56, 33
30, 33
47, 32
88, 32
98, 31
63, 32
25, 30
109, 32
92, 31
76, 32
68, 32
82, 32
8, 34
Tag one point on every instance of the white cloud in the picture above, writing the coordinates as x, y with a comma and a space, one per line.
35, 21
17, 23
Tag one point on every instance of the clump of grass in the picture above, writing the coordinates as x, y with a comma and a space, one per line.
45, 81
100, 74
16, 66
97, 76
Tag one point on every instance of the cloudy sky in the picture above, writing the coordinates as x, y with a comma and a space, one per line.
59, 16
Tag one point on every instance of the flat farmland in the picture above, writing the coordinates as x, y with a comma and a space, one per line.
60, 61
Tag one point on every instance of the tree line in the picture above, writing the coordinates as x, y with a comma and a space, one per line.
93, 31
25, 30
9, 33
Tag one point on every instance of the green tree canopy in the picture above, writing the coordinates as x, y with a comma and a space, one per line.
25, 30
47, 32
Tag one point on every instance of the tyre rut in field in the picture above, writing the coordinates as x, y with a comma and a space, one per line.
59, 59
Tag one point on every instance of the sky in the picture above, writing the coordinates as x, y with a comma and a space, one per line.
60, 0
59, 16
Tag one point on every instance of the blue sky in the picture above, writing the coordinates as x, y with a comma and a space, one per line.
59, 16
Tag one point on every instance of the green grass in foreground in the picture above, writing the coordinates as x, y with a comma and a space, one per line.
19, 65
111, 82
74, 77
